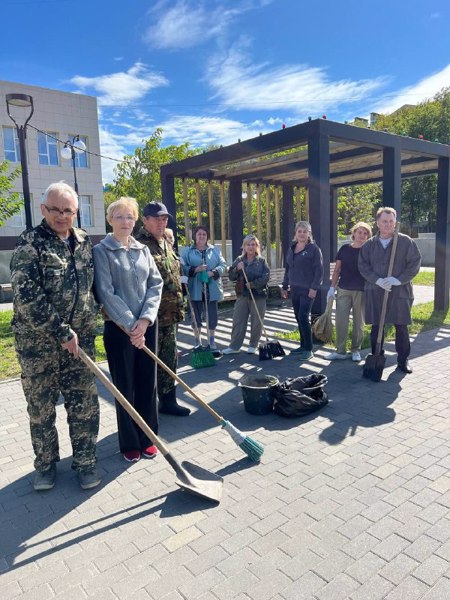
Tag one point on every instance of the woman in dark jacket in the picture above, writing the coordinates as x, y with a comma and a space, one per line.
258, 274
303, 277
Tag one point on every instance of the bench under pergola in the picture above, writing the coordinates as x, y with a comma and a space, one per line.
322, 156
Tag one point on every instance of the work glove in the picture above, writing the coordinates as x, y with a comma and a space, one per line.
184, 279
331, 293
384, 283
393, 280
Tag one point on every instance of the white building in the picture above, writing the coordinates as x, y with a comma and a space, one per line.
61, 115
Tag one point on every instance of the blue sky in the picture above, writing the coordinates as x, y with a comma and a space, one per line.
213, 71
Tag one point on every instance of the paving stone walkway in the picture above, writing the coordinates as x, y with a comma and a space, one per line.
349, 503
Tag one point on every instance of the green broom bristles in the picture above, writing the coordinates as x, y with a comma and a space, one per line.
202, 357
251, 447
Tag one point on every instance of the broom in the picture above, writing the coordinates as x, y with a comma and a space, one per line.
251, 447
374, 365
323, 326
268, 349
200, 357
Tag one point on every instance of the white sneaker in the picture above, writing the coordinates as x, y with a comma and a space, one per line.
230, 351
337, 356
251, 350
356, 357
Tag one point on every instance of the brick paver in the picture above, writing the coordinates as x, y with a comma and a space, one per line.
350, 503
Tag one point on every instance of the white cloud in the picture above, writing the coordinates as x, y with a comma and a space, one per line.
299, 88
122, 88
424, 89
185, 23
204, 131
110, 146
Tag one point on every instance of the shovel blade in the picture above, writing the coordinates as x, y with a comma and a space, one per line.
373, 367
199, 481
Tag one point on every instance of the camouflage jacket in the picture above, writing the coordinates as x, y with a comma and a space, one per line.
52, 287
171, 309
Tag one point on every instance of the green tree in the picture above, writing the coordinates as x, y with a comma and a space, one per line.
10, 202
357, 203
430, 119
138, 175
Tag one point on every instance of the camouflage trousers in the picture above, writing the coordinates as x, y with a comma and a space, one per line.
48, 371
167, 352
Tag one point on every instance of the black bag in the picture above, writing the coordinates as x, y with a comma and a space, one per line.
300, 396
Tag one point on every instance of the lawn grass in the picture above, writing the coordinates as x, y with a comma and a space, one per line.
9, 366
423, 316
424, 278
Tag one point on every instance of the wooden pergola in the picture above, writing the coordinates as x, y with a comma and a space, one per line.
323, 156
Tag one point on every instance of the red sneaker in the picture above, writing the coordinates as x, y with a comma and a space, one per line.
149, 452
132, 455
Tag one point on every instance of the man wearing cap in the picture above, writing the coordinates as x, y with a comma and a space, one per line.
171, 310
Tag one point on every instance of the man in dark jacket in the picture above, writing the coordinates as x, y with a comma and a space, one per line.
171, 309
373, 265
54, 313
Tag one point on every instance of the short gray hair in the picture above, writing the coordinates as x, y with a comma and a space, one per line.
62, 188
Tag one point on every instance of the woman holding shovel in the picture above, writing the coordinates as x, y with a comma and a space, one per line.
128, 284
257, 271
303, 277
204, 264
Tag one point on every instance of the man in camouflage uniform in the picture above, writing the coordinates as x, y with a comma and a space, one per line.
171, 309
55, 313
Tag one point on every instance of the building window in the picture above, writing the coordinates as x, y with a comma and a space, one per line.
18, 220
48, 149
85, 208
81, 159
11, 144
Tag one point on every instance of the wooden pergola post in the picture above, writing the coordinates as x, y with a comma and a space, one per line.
211, 212
236, 215
392, 178
319, 210
187, 227
277, 228
442, 252
223, 229
268, 225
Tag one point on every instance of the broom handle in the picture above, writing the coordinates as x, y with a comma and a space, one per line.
386, 293
123, 402
182, 383
254, 303
194, 320
168, 370
205, 289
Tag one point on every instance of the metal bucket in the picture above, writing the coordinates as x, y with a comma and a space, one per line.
257, 393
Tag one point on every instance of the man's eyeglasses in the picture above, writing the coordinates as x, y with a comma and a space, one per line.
67, 212
121, 218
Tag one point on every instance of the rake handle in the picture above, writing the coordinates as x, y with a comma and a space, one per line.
123, 402
254, 303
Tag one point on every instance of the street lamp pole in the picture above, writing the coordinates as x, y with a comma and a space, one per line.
71, 148
23, 101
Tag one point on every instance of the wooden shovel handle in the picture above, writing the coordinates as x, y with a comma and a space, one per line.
123, 402
386, 293
256, 308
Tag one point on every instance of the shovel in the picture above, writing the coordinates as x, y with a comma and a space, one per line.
190, 477
271, 348
374, 365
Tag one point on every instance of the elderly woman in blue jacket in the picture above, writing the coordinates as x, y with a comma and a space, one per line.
128, 284
198, 259
303, 277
